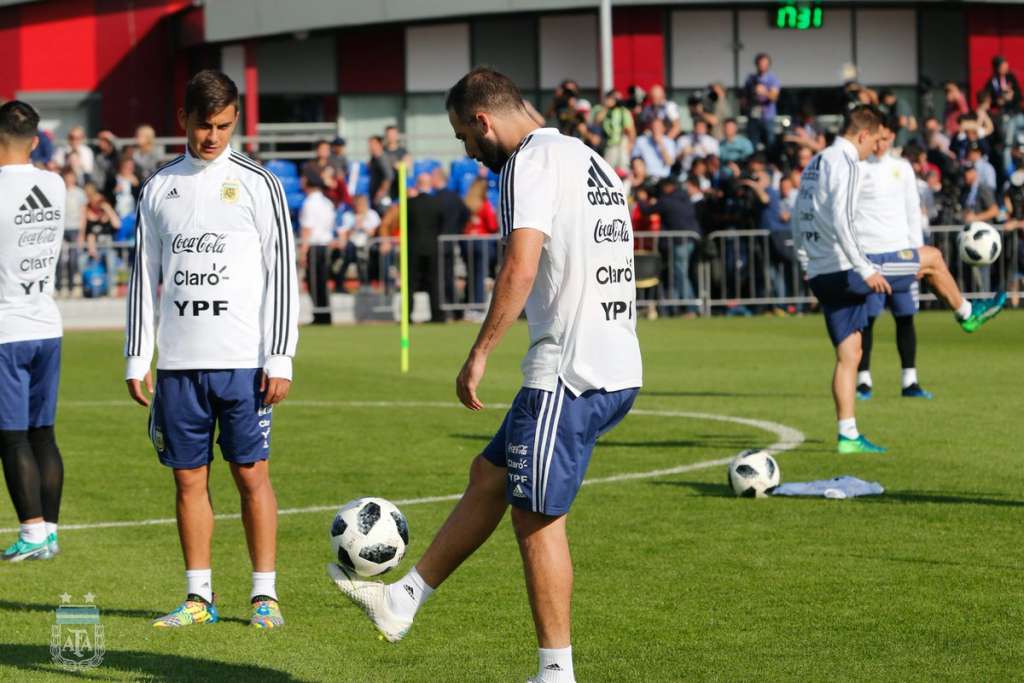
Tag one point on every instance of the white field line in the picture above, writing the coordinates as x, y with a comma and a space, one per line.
788, 439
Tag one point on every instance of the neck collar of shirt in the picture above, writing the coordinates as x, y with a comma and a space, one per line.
203, 163
847, 147
16, 168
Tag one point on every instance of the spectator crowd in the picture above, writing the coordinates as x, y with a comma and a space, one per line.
732, 163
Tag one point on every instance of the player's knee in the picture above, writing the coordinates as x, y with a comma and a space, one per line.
42, 437
191, 482
251, 478
12, 441
486, 477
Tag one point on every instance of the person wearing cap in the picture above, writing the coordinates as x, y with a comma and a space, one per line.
978, 200
338, 158
760, 95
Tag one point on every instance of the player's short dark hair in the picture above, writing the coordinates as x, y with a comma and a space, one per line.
18, 121
209, 92
861, 117
483, 89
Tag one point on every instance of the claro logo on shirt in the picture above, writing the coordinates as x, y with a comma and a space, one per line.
207, 243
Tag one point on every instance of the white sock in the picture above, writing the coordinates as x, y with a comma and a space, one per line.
50, 529
848, 428
864, 377
200, 582
964, 312
263, 584
556, 666
909, 377
33, 533
408, 594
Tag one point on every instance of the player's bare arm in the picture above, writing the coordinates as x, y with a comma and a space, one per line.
515, 280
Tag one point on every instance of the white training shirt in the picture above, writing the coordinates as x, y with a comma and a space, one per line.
219, 235
582, 308
825, 210
32, 206
318, 215
889, 208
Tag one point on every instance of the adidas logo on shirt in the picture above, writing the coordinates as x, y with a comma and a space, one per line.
36, 208
518, 492
602, 192
173, 194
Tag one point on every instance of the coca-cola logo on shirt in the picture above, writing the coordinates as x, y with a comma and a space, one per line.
31, 238
615, 230
207, 243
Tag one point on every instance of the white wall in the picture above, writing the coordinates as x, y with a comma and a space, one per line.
297, 66
568, 49
701, 48
435, 56
887, 46
799, 58
232, 63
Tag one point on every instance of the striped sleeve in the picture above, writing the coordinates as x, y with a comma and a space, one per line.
280, 307
529, 192
142, 292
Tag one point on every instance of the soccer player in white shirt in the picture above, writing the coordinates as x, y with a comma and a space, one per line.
213, 226
32, 206
840, 273
569, 260
888, 225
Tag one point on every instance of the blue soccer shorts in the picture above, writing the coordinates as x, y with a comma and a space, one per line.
546, 440
189, 404
844, 301
900, 268
29, 378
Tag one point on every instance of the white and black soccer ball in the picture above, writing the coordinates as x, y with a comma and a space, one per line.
369, 535
980, 244
754, 474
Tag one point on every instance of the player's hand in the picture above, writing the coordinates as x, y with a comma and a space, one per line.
469, 379
135, 389
274, 389
879, 284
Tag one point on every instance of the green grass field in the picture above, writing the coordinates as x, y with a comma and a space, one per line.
676, 579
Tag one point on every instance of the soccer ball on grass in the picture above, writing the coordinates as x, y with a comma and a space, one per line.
754, 474
369, 536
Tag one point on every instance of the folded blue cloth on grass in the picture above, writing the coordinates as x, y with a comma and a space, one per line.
840, 487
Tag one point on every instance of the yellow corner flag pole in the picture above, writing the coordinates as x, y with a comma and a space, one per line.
403, 261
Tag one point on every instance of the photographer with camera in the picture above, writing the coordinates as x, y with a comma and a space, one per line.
616, 123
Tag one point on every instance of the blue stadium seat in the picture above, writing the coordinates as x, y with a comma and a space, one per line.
290, 184
463, 172
362, 180
493, 185
126, 233
295, 200
282, 168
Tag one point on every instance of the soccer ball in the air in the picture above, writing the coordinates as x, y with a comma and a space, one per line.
980, 244
753, 474
369, 535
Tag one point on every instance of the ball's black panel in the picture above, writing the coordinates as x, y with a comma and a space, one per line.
972, 253
771, 467
749, 493
769, 490
378, 553
403, 526
995, 251
345, 559
368, 516
746, 471
339, 526
967, 227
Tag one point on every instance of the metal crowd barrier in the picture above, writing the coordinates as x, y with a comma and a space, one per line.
674, 271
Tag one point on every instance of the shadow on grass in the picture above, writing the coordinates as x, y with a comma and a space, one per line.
701, 441
149, 666
942, 498
716, 394
703, 488
148, 615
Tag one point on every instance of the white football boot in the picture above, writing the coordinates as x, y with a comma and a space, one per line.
372, 598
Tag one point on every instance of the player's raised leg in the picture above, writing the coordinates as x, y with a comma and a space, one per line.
393, 607
971, 315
